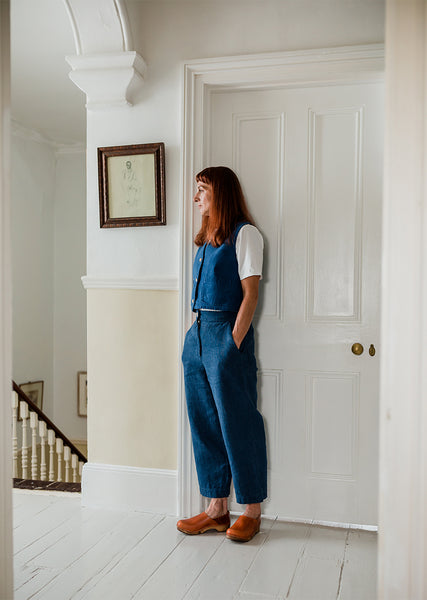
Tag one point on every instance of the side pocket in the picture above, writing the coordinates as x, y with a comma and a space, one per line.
188, 343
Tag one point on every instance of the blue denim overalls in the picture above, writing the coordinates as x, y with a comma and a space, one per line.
220, 383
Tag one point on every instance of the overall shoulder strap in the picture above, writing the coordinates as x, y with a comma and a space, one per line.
236, 231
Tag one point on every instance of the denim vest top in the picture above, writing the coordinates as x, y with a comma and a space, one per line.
216, 281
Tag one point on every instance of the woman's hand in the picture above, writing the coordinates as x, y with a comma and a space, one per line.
246, 312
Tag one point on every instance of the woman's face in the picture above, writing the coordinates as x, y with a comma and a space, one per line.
203, 197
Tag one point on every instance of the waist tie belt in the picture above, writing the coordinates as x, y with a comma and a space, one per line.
215, 315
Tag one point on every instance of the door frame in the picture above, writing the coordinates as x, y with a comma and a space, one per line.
6, 541
324, 66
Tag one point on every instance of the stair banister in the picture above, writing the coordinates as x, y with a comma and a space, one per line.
51, 426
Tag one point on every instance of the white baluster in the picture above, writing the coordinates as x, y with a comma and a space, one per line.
51, 443
80, 469
15, 403
59, 451
34, 421
67, 458
43, 435
74, 461
23, 410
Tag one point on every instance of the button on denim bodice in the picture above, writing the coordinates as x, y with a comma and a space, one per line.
216, 281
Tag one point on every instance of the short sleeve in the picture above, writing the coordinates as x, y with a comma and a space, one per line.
249, 251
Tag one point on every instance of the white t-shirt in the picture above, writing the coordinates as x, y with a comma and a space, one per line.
249, 251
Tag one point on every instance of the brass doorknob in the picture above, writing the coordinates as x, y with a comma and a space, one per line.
357, 348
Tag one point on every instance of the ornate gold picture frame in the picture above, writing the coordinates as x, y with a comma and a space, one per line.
132, 185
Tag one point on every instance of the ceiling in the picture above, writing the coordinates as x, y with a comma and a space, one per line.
44, 98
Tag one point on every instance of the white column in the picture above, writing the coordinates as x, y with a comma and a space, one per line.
74, 465
24, 413
34, 421
51, 443
67, 459
6, 565
402, 567
59, 452
43, 436
105, 67
15, 404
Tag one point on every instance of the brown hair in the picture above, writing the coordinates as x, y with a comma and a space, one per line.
227, 209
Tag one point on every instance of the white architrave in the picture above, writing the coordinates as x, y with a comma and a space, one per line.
105, 68
6, 564
402, 564
352, 64
99, 26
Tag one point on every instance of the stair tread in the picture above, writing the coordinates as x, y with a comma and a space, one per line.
36, 484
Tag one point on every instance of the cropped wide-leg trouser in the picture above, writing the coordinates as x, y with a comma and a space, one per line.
227, 429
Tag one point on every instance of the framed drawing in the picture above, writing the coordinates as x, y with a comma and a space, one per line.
82, 394
34, 391
132, 185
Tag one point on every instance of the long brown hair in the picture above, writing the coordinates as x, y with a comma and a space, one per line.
227, 209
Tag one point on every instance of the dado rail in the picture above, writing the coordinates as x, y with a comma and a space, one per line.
64, 462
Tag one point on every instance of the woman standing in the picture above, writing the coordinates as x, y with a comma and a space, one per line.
218, 358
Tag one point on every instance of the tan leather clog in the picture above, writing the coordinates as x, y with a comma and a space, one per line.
201, 523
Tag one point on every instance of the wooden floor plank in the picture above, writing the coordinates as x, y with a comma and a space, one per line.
94, 524
28, 510
359, 576
125, 577
272, 571
30, 579
318, 571
34, 548
224, 573
176, 574
37, 527
82, 577
249, 596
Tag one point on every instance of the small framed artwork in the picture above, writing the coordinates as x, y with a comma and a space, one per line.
34, 391
132, 185
82, 394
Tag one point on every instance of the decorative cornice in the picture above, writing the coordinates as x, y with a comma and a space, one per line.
142, 283
26, 133
107, 79
361, 63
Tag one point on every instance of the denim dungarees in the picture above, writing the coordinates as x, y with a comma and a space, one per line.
221, 383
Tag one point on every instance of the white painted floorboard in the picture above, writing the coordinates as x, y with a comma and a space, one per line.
63, 551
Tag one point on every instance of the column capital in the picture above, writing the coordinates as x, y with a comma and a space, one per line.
108, 79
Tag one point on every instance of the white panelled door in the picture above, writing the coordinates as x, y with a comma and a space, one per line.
310, 161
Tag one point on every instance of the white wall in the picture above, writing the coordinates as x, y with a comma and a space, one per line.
133, 372
69, 298
48, 258
32, 202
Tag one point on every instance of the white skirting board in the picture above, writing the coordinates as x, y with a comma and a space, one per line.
129, 488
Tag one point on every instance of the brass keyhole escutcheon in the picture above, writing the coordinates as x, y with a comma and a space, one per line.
372, 350
357, 348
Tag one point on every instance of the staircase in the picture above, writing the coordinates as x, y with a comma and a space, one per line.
43, 457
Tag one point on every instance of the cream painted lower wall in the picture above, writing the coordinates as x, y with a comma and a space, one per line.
133, 366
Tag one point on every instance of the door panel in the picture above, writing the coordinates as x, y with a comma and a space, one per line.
310, 162
334, 214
